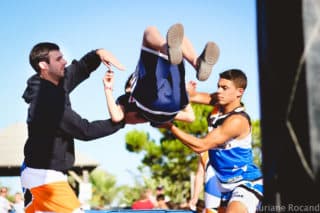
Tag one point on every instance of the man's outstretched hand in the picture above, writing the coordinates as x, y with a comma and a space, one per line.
109, 60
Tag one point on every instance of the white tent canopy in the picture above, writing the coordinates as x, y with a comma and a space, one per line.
12, 140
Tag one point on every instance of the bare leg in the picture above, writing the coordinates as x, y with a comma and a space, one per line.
189, 52
154, 40
186, 114
203, 64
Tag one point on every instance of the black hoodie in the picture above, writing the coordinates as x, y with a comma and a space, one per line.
52, 123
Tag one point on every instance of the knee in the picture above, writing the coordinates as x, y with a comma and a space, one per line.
153, 39
150, 30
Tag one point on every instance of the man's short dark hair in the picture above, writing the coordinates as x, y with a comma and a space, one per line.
40, 52
238, 77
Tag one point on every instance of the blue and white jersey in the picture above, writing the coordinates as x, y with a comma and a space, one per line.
233, 161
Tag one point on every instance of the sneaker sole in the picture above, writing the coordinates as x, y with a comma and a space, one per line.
207, 60
174, 39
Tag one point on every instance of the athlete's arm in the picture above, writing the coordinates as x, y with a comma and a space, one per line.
199, 97
235, 126
116, 111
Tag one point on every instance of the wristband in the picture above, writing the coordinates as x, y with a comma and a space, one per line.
108, 88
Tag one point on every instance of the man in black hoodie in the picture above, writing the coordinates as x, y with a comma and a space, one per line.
53, 125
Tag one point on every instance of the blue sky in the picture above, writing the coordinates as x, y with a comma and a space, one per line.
79, 26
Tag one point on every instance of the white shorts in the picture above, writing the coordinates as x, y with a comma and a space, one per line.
247, 192
246, 197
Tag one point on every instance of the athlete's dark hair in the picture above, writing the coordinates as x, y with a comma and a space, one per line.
238, 77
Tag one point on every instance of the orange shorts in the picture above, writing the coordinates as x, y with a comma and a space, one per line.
50, 191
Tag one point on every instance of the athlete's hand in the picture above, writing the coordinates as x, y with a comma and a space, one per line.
109, 60
191, 88
108, 80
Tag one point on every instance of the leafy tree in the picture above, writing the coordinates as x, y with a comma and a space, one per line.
104, 189
131, 194
256, 136
169, 161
